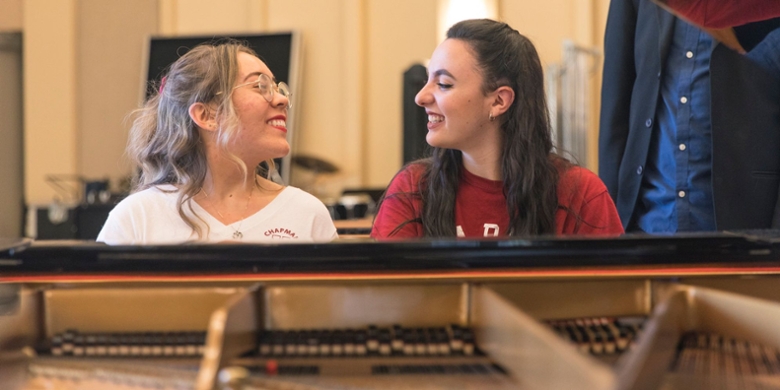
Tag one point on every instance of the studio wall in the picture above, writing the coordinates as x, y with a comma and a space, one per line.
110, 38
11, 15
50, 71
355, 52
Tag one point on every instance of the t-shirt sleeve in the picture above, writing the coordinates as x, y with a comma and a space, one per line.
118, 229
323, 229
589, 210
599, 216
399, 212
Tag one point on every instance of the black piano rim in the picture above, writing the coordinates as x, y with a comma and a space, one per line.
696, 249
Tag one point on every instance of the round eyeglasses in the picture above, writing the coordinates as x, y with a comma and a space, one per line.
268, 87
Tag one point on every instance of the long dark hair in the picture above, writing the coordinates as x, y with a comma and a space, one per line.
529, 167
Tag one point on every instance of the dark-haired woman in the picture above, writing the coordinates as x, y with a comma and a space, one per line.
493, 172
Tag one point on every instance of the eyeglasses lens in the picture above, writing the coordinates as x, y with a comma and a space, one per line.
267, 88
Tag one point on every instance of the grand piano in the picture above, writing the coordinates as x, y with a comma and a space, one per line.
696, 311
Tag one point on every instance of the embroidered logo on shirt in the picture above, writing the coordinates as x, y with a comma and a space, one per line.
280, 233
491, 230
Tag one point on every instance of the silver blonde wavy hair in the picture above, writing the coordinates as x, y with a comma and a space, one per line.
164, 142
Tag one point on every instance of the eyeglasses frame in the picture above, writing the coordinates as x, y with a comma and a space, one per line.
276, 88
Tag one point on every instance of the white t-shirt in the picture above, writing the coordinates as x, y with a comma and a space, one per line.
151, 217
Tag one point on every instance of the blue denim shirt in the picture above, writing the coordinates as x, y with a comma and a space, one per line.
676, 190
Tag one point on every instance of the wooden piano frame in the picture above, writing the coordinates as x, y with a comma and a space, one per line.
725, 283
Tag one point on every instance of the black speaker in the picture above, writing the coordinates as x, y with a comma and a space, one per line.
80, 222
91, 218
415, 119
57, 222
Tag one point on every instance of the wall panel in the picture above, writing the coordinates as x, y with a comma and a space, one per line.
329, 121
11, 15
50, 91
400, 33
110, 39
197, 17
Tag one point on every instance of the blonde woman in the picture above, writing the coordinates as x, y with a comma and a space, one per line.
199, 144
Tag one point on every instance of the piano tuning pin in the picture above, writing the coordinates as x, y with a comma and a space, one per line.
232, 378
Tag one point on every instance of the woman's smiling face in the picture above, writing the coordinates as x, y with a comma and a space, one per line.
458, 109
262, 124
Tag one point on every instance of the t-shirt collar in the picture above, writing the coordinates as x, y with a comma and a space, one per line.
481, 182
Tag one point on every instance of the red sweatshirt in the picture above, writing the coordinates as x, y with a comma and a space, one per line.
480, 206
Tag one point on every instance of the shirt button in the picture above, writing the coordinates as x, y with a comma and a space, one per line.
682, 146
649, 122
639, 170
681, 194
683, 100
689, 54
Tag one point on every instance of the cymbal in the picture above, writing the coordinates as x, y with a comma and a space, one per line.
314, 164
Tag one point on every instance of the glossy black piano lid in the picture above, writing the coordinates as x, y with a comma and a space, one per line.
25, 256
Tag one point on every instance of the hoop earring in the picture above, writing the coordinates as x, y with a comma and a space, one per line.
491, 117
